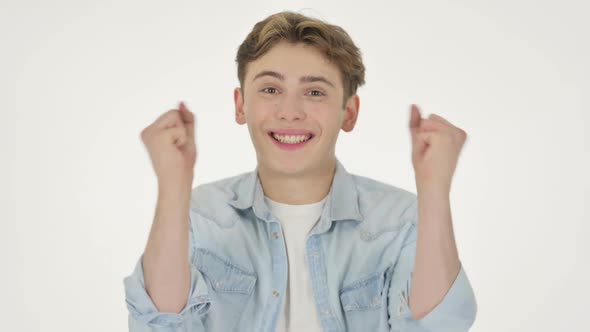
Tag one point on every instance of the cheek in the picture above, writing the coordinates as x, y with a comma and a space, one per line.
261, 105
257, 115
330, 119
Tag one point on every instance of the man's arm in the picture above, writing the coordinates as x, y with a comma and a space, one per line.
437, 263
436, 145
165, 259
165, 302
165, 290
170, 141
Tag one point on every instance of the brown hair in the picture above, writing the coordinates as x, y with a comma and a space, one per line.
330, 40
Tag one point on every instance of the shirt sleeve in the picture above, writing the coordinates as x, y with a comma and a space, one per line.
456, 312
143, 314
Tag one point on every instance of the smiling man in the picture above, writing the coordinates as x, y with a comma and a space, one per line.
292, 100
300, 244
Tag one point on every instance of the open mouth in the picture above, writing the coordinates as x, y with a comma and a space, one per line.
290, 142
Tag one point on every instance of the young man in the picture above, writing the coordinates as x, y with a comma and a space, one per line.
299, 244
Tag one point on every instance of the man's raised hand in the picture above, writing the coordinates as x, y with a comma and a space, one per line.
170, 141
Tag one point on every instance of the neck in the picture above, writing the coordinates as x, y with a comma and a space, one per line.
297, 189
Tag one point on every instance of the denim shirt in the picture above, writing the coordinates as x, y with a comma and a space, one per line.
360, 257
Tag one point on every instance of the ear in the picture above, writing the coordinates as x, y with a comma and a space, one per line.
351, 111
239, 105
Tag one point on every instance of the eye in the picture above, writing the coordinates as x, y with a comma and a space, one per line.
316, 93
269, 90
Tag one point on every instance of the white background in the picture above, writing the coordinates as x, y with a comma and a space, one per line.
79, 80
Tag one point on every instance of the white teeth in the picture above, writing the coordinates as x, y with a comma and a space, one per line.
291, 139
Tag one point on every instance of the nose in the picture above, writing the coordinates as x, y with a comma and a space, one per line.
290, 109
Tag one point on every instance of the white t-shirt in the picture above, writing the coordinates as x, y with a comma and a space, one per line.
299, 310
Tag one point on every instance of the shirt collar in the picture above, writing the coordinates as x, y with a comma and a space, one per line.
342, 202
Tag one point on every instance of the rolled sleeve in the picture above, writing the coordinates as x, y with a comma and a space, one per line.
456, 312
143, 314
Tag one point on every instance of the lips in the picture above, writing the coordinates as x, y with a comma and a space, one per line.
290, 135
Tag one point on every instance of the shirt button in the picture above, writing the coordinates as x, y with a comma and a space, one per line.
276, 235
219, 284
275, 293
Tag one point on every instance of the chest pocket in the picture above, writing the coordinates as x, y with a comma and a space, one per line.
229, 285
364, 303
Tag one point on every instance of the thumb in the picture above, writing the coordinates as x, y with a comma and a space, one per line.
188, 120
415, 120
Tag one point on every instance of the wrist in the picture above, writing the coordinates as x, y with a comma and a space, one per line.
175, 187
433, 190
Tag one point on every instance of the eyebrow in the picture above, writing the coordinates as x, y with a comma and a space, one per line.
303, 79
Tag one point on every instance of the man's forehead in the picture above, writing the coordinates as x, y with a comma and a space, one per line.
305, 78
292, 60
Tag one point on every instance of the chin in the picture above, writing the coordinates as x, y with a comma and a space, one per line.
286, 166
289, 166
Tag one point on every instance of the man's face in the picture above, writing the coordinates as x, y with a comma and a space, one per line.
292, 104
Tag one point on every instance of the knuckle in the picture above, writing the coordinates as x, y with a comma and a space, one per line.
167, 115
462, 134
447, 137
144, 134
176, 116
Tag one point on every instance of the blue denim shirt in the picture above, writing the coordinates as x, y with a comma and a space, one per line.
360, 258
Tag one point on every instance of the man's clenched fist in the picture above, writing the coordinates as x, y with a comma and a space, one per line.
170, 142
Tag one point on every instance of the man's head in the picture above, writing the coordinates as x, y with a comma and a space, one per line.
298, 78
330, 40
